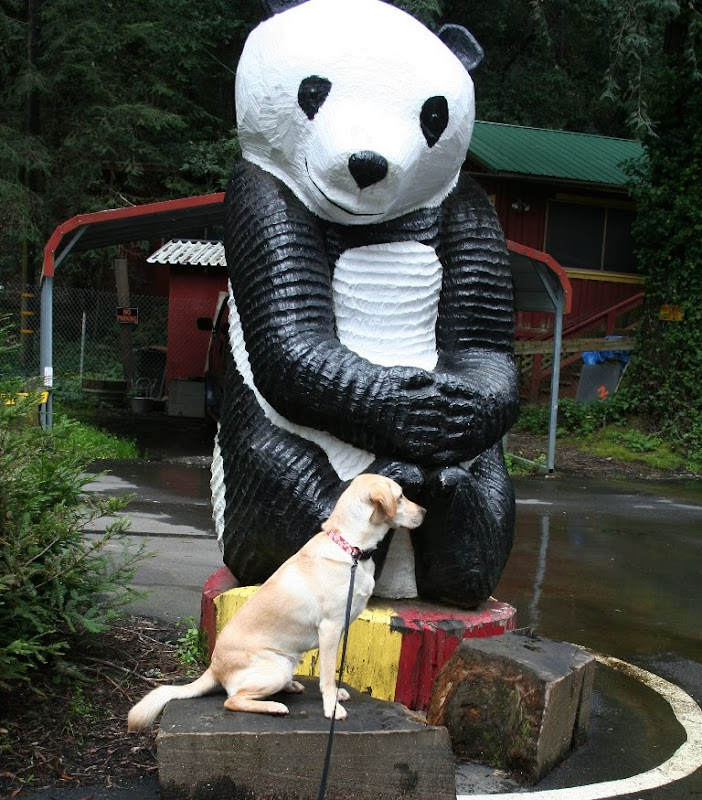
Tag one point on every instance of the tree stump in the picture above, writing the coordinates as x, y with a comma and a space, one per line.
517, 701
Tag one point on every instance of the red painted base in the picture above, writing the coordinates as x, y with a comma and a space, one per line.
430, 635
218, 583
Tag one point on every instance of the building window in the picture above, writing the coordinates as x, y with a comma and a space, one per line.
585, 236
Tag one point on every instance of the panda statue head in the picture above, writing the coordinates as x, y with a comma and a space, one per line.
358, 108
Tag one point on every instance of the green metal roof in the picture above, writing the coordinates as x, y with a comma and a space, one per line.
553, 154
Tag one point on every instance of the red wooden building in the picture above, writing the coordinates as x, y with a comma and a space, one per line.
565, 194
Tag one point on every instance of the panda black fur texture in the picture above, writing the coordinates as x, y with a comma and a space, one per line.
371, 319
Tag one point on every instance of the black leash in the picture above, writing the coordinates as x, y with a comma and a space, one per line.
330, 741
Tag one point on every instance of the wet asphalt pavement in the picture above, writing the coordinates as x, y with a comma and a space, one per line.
612, 566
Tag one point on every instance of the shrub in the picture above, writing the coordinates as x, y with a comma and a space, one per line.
56, 583
533, 418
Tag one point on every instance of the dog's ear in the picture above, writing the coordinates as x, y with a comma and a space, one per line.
381, 495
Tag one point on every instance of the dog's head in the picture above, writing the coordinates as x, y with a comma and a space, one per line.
369, 507
390, 504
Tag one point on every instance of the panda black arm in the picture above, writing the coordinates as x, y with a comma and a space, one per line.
281, 280
475, 329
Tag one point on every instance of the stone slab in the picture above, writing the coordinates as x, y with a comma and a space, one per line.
381, 752
518, 701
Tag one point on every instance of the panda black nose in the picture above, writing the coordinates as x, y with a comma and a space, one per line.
367, 168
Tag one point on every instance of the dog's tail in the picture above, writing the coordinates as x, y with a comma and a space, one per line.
146, 710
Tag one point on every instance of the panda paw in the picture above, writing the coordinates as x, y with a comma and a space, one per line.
409, 476
448, 479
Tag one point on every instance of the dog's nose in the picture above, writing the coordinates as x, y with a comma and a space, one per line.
367, 168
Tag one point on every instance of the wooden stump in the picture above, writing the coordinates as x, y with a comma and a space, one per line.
517, 701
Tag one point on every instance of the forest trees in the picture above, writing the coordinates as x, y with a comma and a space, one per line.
110, 104
545, 63
666, 379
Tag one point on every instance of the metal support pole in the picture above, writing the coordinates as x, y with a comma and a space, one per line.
82, 344
555, 385
46, 334
46, 362
557, 299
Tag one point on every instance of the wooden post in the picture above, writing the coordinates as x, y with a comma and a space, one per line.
125, 331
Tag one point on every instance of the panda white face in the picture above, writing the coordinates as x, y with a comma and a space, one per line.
357, 107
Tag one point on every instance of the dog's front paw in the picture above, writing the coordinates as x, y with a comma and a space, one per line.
278, 709
338, 711
342, 694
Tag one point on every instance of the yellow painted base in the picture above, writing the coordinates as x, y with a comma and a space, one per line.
370, 633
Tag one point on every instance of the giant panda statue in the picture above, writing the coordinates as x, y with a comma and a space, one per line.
370, 308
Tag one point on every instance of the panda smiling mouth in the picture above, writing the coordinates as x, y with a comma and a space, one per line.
337, 205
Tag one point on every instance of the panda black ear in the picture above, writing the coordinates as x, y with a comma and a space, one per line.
462, 44
272, 7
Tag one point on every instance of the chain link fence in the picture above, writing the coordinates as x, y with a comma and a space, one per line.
140, 348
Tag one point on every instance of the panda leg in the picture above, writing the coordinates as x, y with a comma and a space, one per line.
465, 540
278, 488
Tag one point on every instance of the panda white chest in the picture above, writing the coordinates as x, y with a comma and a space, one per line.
386, 301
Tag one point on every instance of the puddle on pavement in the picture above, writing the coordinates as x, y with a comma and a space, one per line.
625, 585
177, 480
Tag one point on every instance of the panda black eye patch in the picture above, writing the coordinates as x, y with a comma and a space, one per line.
312, 93
434, 118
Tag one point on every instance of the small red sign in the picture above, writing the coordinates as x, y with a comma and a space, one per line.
127, 316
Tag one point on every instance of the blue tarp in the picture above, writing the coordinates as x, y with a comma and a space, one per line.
603, 356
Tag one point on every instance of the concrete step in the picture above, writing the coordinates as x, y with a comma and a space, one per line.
382, 751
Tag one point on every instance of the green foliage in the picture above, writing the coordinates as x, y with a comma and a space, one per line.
56, 583
89, 441
134, 103
544, 62
611, 428
519, 467
626, 444
78, 711
665, 374
427, 11
533, 418
573, 418
582, 418
637, 30
192, 647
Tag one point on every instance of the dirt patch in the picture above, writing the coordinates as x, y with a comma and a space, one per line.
573, 462
74, 732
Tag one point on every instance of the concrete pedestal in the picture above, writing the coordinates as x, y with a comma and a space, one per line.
395, 647
381, 752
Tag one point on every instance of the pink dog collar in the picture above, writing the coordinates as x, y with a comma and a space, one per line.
355, 552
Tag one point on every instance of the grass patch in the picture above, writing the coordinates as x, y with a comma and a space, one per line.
191, 647
521, 467
631, 445
91, 443
612, 430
